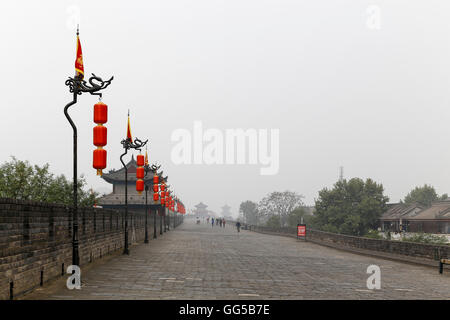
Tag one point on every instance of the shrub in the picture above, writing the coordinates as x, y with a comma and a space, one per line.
373, 234
425, 238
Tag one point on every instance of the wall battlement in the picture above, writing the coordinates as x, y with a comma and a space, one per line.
36, 240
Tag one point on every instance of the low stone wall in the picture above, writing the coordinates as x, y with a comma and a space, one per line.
410, 249
36, 240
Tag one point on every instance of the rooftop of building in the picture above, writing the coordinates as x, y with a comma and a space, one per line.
118, 176
437, 210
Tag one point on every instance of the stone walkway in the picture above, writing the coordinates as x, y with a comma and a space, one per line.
201, 262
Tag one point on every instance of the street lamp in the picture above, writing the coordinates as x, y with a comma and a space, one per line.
153, 168
77, 86
127, 145
175, 213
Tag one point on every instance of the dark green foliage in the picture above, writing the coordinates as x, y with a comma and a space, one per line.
249, 210
351, 207
423, 195
23, 181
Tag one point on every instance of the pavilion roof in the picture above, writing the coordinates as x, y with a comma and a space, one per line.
114, 176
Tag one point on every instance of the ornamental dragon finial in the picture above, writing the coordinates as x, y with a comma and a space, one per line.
79, 86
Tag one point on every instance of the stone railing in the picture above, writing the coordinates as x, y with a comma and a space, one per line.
36, 240
402, 248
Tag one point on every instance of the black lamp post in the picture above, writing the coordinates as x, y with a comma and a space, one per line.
77, 86
127, 145
153, 168
175, 214
161, 220
166, 207
154, 215
146, 213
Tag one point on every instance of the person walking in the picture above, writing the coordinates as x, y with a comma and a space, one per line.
220, 222
238, 226
224, 223
212, 222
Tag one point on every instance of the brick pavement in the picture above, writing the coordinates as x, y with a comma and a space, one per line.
201, 262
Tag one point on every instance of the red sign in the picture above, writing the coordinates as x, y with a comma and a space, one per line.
301, 230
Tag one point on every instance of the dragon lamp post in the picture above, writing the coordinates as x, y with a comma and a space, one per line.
77, 86
127, 145
153, 168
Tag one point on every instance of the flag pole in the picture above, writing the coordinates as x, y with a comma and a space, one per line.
77, 86
128, 144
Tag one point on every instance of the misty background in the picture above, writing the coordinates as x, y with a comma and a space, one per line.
374, 101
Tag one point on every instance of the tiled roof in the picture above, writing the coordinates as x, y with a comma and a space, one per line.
401, 210
119, 175
201, 205
438, 210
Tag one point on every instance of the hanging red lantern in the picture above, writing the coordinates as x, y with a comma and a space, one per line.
155, 188
140, 172
100, 136
100, 113
99, 159
139, 185
155, 197
163, 187
140, 161
155, 179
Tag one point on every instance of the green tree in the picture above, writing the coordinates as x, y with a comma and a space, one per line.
423, 195
351, 207
23, 181
295, 216
273, 221
281, 204
249, 210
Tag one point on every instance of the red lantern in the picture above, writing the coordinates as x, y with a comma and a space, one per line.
140, 161
163, 201
100, 113
140, 173
155, 197
139, 185
155, 179
100, 136
155, 188
99, 160
163, 187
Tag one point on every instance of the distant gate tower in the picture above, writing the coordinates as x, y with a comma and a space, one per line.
200, 210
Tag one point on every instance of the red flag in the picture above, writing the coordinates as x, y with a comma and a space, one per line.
129, 130
79, 67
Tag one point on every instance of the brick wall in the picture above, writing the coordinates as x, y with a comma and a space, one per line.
410, 249
36, 240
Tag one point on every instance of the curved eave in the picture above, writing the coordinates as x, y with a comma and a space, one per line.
148, 181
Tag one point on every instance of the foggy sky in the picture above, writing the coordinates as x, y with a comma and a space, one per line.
341, 94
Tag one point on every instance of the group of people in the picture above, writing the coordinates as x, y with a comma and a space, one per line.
218, 222
221, 223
